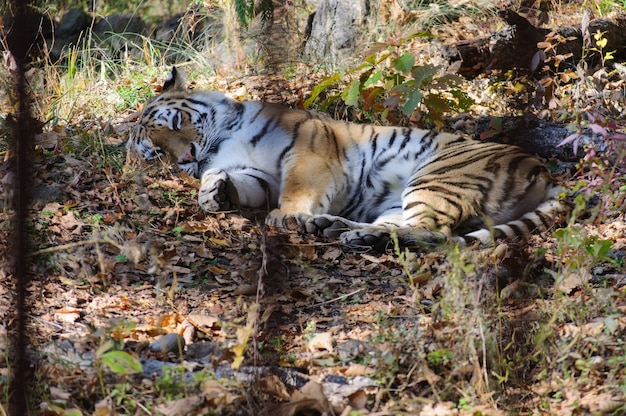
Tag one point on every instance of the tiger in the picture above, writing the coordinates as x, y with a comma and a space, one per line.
363, 184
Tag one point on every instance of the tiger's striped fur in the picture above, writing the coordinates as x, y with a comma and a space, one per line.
346, 180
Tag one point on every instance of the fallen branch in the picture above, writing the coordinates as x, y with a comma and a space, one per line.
515, 45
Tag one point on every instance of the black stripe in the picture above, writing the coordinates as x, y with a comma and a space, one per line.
431, 209
406, 132
236, 119
374, 141
546, 220
257, 137
393, 137
257, 114
279, 161
530, 224
499, 233
515, 228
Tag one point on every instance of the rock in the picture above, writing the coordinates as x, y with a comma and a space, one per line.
121, 33
72, 23
205, 349
169, 343
119, 24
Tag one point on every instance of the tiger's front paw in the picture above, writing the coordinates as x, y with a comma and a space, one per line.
364, 237
328, 225
217, 192
280, 219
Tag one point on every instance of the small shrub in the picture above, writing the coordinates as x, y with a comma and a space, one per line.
389, 86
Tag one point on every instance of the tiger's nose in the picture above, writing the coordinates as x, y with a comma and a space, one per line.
189, 155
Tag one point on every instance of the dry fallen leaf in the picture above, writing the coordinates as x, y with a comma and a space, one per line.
440, 409
273, 386
358, 400
354, 370
321, 342
310, 398
69, 315
216, 394
602, 403
180, 407
105, 407
572, 281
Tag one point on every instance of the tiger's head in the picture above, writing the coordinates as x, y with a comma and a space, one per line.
181, 125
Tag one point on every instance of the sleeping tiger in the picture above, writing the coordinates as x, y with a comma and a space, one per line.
339, 179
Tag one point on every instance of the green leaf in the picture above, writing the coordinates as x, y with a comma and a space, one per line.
436, 106
244, 10
325, 105
351, 94
423, 74
405, 87
322, 86
107, 346
404, 63
464, 101
413, 100
600, 248
121, 362
373, 78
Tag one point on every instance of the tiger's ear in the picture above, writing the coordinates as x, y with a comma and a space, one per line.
175, 82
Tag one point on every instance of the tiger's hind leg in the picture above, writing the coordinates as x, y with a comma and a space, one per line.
358, 234
418, 223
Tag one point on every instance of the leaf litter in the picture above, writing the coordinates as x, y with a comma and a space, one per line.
282, 323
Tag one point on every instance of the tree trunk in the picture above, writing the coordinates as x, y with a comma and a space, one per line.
335, 31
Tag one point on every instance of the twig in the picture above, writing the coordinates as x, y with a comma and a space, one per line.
54, 324
347, 295
75, 244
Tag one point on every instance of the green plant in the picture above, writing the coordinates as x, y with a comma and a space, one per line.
172, 384
122, 395
247, 9
439, 357
390, 86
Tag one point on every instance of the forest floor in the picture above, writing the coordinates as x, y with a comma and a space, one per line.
140, 303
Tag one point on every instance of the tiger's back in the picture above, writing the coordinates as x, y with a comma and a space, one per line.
343, 179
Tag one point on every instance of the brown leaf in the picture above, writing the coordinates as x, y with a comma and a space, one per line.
216, 394
354, 370
509, 289
294, 407
332, 254
204, 323
572, 282
105, 407
69, 315
49, 140
180, 407
358, 400
439, 409
273, 386
197, 226
69, 221
601, 403
319, 342
172, 184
